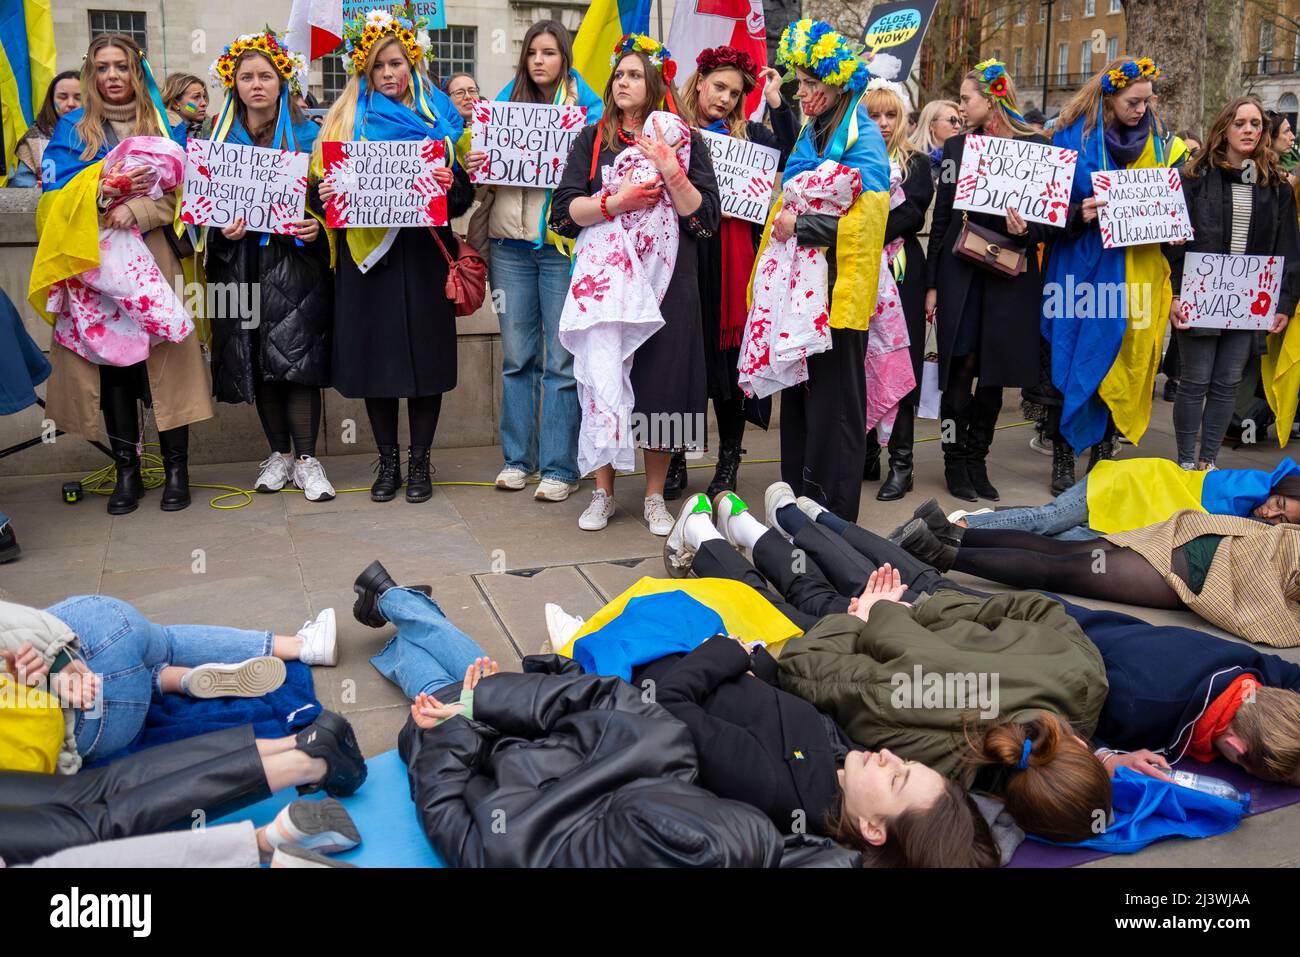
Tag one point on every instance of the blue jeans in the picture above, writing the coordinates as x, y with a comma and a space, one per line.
539, 396
1065, 517
129, 652
428, 652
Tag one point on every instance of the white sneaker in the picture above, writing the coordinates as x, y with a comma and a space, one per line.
560, 626
320, 640
809, 507
245, 679
961, 513
309, 475
512, 480
1039, 444
597, 514
657, 515
725, 506
553, 490
274, 475
1187, 466
677, 553
778, 496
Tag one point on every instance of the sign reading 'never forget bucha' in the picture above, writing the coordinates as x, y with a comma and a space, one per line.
527, 144
384, 183
999, 172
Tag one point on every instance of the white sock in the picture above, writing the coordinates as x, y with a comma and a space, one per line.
697, 530
746, 530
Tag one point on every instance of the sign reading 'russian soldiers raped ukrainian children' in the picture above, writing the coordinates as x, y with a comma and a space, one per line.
1231, 292
384, 183
998, 172
746, 174
527, 144
1137, 206
225, 182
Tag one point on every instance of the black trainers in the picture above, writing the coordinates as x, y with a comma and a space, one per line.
370, 584
935, 520
9, 549
331, 738
919, 542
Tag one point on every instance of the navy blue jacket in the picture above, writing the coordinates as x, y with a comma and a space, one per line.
1162, 678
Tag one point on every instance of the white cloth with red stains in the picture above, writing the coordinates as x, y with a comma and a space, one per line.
113, 314
888, 364
621, 271
789, 315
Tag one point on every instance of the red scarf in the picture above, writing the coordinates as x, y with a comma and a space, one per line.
1218, 716
737, 264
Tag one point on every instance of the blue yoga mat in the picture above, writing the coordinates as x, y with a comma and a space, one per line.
383, 812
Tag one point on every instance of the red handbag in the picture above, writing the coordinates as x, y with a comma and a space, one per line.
466, 276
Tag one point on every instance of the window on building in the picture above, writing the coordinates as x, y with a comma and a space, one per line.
999, 16
454, 50
1042, 13
1112, 48
1116, 6
1089, 8
1085, 57
1021, 17
1038, 63
125, 22
1265, 46
1288, 105
1065, 9
333, 77
1017, 62
1063, 61
1295, 53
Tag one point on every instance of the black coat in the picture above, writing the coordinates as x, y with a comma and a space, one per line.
1008, 310
905, 221
562, 769
756, 743
295, 317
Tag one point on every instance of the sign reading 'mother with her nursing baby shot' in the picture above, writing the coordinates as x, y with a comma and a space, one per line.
1001, 172
384, 183
527, 144
1231, 292
226, 182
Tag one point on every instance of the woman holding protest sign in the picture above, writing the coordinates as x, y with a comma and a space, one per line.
88, 207
987, 316
639, 186
281, 362
713, 100
1240, 203
1105, 350
529, 266
394, 327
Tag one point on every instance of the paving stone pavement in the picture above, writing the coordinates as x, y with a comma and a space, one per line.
493, 559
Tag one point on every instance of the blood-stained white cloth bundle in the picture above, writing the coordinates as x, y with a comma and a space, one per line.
888, 365
621, 271
113, 314
789, 315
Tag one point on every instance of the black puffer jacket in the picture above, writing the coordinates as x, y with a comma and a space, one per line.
294, 300
563, 769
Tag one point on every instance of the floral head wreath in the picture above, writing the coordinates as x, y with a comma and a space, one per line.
362, 33
817, 48
995, 84
1130, 71
728, 58
291, 66
880, 83
655, 51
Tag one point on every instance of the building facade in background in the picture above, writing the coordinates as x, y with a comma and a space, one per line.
1270, 68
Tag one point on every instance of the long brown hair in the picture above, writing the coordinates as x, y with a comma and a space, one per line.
951, 832
1083, 105
48, 117
91, 126
263, 134
525, 89
174, 88
1214, 151
659, 96
1063, 794
737, 121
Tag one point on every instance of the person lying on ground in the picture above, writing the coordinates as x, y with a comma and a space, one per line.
1174, 692
149, 791
1120, 496
849, 662
105, 661
1240, 574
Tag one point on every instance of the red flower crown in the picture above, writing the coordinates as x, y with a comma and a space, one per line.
718, 58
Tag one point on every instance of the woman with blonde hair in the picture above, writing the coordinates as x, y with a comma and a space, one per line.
939, 120
121, 101
394, 327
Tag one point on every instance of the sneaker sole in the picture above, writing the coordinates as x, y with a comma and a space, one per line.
298, 857
248, 679
323, 826
267, 489
594, 528
553, 496
674, 541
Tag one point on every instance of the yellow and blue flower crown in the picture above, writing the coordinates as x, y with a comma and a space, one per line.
657, 53
292, 66
1130, 71
817, 48
362, 33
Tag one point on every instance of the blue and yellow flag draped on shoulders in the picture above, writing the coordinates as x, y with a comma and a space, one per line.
1104, 309
26, 68
603, 25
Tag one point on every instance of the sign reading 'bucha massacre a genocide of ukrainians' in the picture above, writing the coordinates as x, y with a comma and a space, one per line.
1231, 292
1001, 172
384, 183
1137, 206
225, 182
746, 174
527, 144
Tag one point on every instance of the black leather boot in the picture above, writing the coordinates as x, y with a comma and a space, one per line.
419, 482
675, 481
122, 423
369, 586
727, 469
1062, 466
175, 445
1103, 450
954, 458
389, 479
871, 467
984, 419
899, 481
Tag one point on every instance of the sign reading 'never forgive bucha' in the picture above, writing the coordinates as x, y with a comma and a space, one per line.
1001, 172
384, 183
527, 144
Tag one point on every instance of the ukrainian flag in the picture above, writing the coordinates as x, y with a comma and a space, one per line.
605, 23
26, 68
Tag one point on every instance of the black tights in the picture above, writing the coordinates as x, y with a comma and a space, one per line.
421, 413
289, 409
1090, 569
